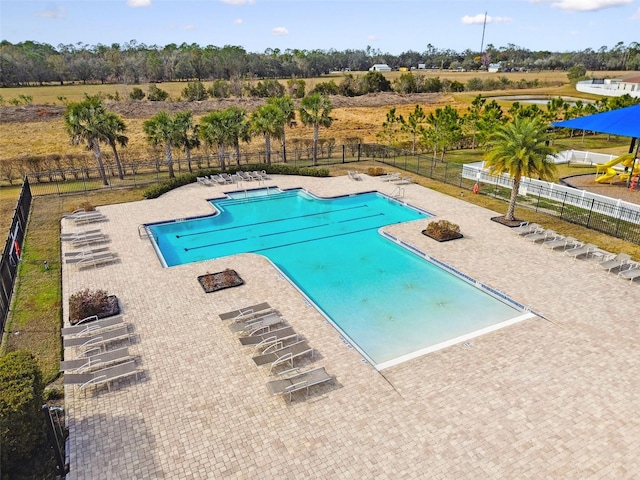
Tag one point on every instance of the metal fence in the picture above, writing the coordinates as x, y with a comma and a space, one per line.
611, 216
12, 251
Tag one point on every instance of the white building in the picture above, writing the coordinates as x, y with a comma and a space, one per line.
380, 67
611, 87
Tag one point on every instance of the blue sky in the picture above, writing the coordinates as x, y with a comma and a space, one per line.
390, 26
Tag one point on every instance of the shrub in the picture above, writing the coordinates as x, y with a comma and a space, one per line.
87, 206
195, 92
156, 94
137, 94
22, 426
86, 303
375, 171
443, 229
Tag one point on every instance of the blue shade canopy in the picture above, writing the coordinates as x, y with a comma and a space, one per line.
623, 121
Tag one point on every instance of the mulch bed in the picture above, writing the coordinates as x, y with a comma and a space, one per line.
112, 308
443, 239
507, 223
212, 282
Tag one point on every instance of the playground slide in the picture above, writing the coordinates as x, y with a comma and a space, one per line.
629, 163
609, 171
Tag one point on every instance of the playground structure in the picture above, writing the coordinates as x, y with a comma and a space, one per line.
606, 173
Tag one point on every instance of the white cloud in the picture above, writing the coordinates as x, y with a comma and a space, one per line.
138, 3
373, 38
238, 21
636, 16
280, 31
57, 12
239, 2
190, 26
479, 19
584, 5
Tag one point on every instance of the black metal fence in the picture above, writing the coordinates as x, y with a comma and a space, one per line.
13, 251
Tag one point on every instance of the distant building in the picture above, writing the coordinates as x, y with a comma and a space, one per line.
422, 66
403, 69
494, 67
611, 87
380, 67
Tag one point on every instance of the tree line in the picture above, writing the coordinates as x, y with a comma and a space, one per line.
34, 63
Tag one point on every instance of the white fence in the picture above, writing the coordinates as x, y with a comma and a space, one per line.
612, 207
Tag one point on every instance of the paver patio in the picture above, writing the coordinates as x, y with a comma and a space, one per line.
551, 397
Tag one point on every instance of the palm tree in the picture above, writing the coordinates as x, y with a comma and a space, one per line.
238, 128
288, 111
214, 131
83, 122
520, 148
161, 130
315, 110
267, 121
186, 134
113, 128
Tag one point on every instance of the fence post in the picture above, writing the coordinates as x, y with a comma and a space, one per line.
342, 153
359, 150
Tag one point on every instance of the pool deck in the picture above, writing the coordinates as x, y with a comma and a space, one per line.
555, 396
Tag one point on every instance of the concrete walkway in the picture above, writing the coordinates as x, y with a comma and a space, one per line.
552, 397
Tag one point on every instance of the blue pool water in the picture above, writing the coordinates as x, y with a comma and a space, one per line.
389, 302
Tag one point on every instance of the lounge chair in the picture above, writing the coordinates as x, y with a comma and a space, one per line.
98, 339
542, 235
630, 273
244, 176
92, 326
255, 175
65, 237
84, 253
248, 312
93, 362
388, 177
93, 260
82, 216
277, 356
204, 181
526, 228
263, 174
559, 241
354, 175
302, 380
102, 376
402, 180
579, 250
260, 340
88, 239
616, 262
254, 325
227, 178
218, 179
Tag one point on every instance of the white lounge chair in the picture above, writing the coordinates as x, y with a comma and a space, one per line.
93, 260
388, 177
89, 239
92, 327
354, 175
559, 241
96, 361
255, 325
262, 340
66, 237
244, 176
580, 250
275, 356
247, 312
299, 381
616, 262
402, 181
542, 235
526, 228
82, 216
204, 181
102, 376
97, 340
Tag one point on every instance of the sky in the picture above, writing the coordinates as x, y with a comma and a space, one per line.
387, 26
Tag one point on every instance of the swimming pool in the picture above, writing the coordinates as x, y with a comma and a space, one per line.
391, 303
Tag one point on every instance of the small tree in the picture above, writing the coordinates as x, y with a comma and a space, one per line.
315, 110
137, 94
520, 148
577, 73
194, 92
156, 94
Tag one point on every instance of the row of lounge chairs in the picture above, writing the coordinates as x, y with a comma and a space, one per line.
620, 263
226, 179
94, 364
275, 344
